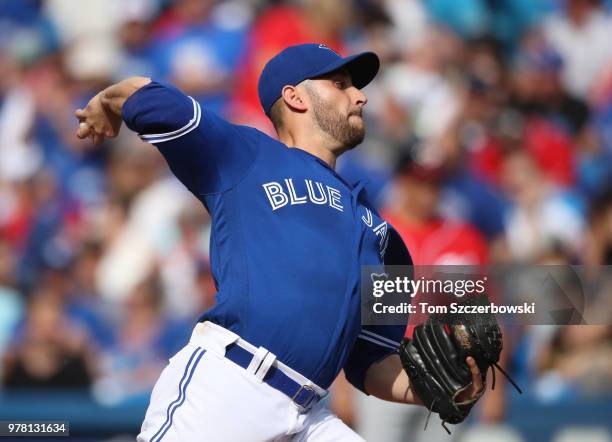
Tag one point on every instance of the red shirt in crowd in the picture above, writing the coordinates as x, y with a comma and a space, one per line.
277, 28
439, 242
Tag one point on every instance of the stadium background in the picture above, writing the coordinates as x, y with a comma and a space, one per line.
489, 141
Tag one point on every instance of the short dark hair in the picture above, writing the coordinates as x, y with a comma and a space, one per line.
276, 114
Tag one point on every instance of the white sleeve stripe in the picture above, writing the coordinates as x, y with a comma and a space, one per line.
184, 131
382, 344
382, 338
196, 112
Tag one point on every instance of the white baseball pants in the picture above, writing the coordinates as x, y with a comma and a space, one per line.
202, 396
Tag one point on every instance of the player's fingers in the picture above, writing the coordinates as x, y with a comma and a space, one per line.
84, 130
79, 113
475, 371
98, 139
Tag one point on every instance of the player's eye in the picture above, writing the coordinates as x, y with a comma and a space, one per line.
340, 84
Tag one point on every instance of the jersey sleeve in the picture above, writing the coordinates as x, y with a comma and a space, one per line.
207, 153
397, 254
373, 344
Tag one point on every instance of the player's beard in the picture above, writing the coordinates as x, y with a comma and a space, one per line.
337, 125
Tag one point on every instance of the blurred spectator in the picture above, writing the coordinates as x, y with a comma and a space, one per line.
538, 90
138, 227
431, 239
576, 362
409, 21
482, 128
145, 340
468, 196
89, 35
197, 51
277, 27
599, 241
50, 351
11, 302
419, 86
84, 303
581, 35
541, 217
182, 263
19, 155
136, 39
47, 243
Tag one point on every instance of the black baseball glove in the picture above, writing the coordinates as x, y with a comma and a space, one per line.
435, 359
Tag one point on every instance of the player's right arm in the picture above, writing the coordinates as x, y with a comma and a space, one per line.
101, 118
208, 154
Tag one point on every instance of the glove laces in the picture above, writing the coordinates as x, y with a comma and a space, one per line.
514, 384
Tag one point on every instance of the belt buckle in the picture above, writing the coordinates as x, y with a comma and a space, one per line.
311, 399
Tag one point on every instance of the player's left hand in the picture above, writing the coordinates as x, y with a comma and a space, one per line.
96, 121
446, 382
447, 359
476, 388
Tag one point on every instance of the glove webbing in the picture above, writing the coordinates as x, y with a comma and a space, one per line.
470, 401
466, 402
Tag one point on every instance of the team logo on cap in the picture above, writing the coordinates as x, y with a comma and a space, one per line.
322, 46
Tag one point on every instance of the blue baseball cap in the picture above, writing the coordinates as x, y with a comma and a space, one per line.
301, 62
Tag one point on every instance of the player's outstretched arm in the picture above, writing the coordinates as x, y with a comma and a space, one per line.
101, 118
205, 152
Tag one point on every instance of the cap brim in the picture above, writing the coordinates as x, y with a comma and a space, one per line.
361, 67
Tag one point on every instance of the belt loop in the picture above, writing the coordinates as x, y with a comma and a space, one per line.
212, 337
265, 366
257, 360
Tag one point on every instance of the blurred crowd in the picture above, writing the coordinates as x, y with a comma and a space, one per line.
489, 140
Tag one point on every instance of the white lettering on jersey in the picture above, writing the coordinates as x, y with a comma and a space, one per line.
292, 195
334, 198
381, 230
322, 198
367, 220
277, 197
285, 193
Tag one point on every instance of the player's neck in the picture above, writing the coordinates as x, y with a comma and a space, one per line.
314, 145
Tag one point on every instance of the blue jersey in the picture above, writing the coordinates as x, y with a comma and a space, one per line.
289, 236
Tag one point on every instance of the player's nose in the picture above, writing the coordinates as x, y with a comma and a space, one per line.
357, 97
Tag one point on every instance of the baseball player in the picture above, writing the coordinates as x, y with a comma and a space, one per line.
289, 236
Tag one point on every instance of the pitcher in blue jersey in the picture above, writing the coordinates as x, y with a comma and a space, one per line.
289, 236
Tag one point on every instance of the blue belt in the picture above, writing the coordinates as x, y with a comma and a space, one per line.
303, 396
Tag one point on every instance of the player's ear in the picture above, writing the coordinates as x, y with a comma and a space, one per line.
295, 98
